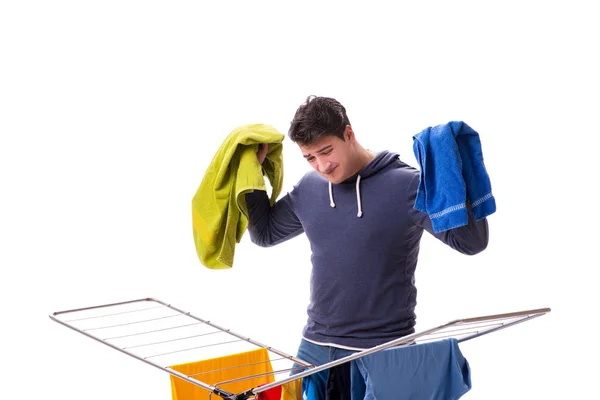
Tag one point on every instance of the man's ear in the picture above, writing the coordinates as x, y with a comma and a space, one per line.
348, 133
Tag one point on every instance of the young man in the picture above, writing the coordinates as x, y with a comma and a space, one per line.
356, 208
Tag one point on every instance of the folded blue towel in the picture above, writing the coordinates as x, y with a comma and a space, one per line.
429, 371
452, 173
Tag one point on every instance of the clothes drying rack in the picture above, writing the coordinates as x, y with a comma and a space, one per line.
162, 335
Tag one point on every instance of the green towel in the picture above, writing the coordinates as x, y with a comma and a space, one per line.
219, 212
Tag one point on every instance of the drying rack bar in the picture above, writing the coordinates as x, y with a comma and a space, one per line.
521, 316
216, 390
164, 335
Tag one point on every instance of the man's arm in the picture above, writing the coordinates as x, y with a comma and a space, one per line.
268, 225
469, 239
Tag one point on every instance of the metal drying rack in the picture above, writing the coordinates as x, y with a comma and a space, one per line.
162, 335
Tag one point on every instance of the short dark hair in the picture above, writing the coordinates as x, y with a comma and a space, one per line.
316, 118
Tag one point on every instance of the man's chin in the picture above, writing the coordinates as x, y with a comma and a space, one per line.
333, 180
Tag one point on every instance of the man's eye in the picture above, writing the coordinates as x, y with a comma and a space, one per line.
310, 159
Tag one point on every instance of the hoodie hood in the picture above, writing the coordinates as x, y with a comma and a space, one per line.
381, 161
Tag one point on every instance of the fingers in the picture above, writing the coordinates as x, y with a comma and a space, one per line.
261, 154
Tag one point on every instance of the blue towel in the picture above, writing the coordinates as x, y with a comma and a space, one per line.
429, 371
452, 173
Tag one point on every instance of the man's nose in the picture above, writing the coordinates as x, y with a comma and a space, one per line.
323, 165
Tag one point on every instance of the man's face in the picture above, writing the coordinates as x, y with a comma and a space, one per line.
331, 157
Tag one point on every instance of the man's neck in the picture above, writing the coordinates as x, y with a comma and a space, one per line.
365, 156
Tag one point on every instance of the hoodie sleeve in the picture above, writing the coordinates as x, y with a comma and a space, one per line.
268, 225
469, 239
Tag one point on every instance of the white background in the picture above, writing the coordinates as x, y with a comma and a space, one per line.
111, 111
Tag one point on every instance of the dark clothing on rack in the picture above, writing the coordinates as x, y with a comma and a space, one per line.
339, 383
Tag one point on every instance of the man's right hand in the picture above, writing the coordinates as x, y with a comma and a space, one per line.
261, 154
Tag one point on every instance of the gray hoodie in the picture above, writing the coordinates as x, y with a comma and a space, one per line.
364, 235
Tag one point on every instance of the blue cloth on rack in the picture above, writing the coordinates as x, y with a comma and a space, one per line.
429, 371
452, 172
313, 386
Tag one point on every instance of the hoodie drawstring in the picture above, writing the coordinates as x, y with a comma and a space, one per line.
358, 201
359, 205
331, 203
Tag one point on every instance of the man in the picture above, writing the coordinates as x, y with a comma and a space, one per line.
356, 209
